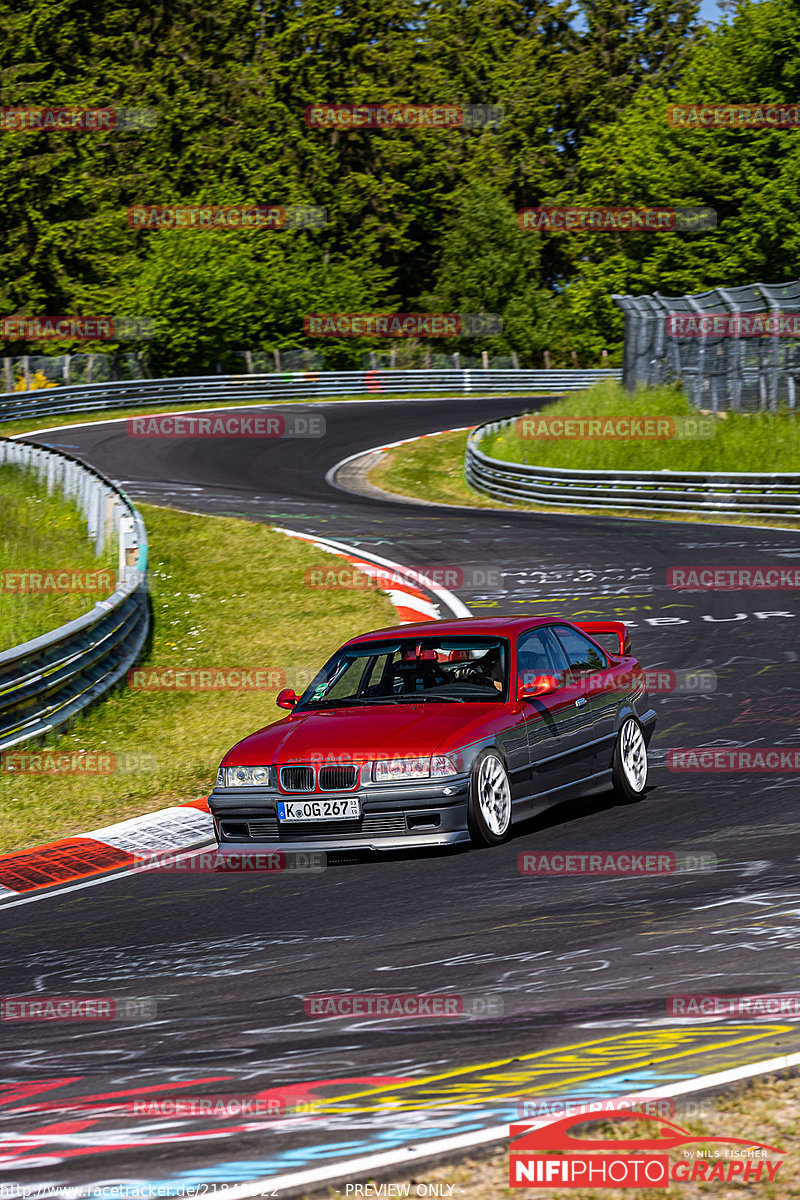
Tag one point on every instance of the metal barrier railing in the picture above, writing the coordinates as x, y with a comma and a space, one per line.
748, 493
308, 385
44, 682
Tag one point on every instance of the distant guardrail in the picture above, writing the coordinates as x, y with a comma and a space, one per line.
46, 681
300, 385
747, 493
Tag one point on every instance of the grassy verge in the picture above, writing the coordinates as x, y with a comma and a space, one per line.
226, 594
761, 441
432, 469
9, 428
43, 533
768, 1111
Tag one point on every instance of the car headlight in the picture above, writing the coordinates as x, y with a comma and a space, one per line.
389, 769
243, 777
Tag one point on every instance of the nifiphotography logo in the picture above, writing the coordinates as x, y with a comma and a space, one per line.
547, 1156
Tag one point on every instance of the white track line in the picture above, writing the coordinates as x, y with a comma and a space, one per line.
437, 1146
242, 407
45, 893
413, 1153
451, 601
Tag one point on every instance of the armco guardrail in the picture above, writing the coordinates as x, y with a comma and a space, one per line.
46, 681
308, 385
748, 493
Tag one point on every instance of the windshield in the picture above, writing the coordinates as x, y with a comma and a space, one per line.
407, 670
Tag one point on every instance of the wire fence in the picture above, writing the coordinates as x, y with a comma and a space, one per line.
731, 348
31, 372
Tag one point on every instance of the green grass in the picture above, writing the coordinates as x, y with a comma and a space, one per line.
226, 594
761, 441
432, 468
764, 1110
43, 533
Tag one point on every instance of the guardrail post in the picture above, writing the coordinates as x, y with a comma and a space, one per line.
126, 546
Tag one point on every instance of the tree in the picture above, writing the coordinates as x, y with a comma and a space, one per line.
488, 265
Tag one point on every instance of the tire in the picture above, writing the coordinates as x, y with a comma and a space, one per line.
489, 808
629, 769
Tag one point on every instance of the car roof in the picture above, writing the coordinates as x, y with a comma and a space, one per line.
462, 626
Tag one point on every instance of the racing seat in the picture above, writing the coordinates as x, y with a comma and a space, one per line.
417, 673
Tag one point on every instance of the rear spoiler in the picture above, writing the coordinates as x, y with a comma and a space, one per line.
613, 627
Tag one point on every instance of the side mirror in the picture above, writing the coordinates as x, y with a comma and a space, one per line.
287, 698
540, 685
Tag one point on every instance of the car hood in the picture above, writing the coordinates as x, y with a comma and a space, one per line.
364, 734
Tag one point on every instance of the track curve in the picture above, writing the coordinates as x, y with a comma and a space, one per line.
576, 960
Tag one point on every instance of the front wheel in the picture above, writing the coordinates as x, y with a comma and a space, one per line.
489, 808
629, 771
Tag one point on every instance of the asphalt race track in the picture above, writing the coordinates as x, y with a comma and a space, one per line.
583, 965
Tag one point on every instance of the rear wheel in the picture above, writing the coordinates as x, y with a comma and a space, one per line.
629, 771
489, 809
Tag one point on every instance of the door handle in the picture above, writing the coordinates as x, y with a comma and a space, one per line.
579, 703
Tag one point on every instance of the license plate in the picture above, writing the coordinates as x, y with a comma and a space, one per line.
319, 810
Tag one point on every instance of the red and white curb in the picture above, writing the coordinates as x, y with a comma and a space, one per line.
419, 437
408, 598
113, 848
86, 857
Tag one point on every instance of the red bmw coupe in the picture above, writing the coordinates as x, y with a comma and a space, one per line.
438, 733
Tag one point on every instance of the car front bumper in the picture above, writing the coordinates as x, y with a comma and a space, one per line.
393, 817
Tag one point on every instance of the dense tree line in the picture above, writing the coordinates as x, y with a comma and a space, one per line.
418, 219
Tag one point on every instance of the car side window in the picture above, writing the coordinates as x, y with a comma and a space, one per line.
582, 655
538, 653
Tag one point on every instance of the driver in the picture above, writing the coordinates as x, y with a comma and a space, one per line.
490, 667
